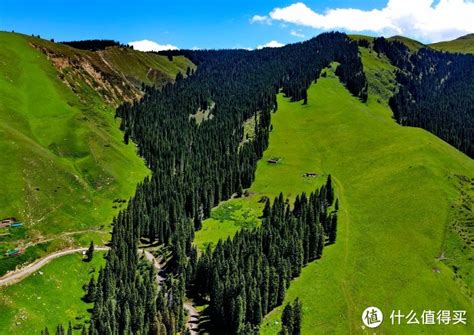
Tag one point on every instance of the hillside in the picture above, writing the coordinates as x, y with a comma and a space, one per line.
49, 296
270, 124
412, 44
64, 165
114, 74
388, 239
464, 44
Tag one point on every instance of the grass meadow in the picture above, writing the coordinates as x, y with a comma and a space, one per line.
395, 185
63, 162
49, 297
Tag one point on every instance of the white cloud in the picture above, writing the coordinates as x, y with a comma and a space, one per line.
297, 34
423, 19
147, 45
271, 44
261, 19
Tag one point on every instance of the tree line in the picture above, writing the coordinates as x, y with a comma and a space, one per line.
436, 92
291, 318
195, 166
95, 45
245, 277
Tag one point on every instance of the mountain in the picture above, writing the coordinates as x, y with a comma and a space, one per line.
412, 44
64, 162
115, 73
463, 44
318, 173
402, 190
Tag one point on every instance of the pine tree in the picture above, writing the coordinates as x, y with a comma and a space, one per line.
91, 289
329, 191
287, 318
90, 252
333, 229
238, 315
197, 222
267, 208
281, 290
297, 316
60, 330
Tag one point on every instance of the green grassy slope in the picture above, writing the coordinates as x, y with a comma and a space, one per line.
395, 194
115, 74
412, 44
48, 299
149, 68
464, 44
357, 37
396, 186
63, 162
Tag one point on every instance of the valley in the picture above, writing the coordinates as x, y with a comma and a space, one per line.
193, 191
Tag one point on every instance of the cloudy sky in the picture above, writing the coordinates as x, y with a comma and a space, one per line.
157, 24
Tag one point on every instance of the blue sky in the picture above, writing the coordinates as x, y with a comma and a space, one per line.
214, 24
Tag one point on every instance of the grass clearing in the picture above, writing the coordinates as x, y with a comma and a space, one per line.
48, 297
226, 219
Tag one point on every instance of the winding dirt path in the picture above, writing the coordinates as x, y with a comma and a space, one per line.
193, 318
149, 256
16, 276
20, 274
192, 323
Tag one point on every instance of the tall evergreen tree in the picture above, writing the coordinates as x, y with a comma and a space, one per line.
90, 252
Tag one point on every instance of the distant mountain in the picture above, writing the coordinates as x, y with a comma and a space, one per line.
464, 44
412, 44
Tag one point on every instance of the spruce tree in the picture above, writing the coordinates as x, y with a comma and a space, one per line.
90, 252
91, 289
287, 318
297, 316
329, 191
267, 208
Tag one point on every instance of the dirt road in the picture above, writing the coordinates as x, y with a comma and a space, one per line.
16, 276
193, 315
193, 318
149, 256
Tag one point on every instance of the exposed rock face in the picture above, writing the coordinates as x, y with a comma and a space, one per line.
83, 68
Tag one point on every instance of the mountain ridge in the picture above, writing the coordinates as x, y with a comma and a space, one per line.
67, 162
